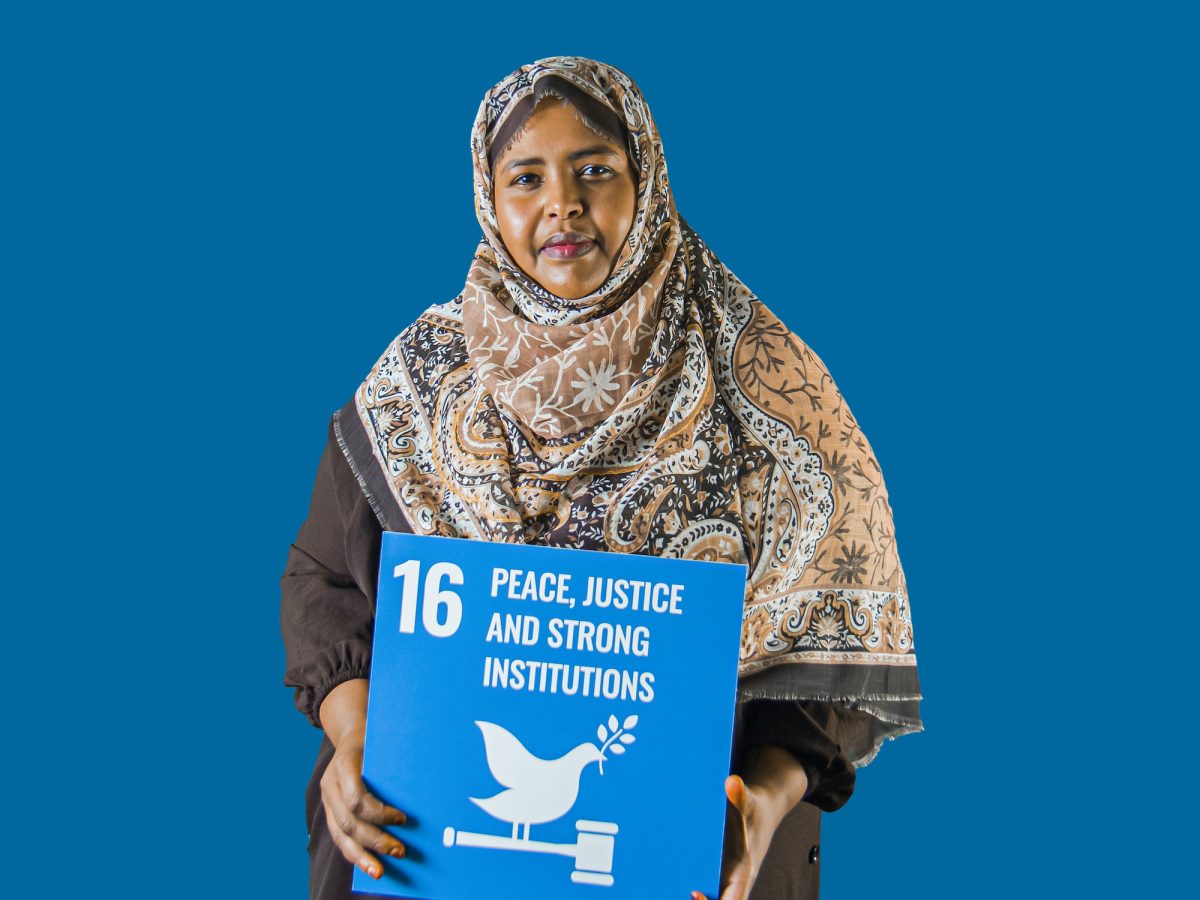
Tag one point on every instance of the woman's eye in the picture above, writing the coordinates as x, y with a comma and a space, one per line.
596, 170
526, 180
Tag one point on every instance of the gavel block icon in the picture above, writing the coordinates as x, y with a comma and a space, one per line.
592, 850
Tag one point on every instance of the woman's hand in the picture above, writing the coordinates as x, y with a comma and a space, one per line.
351, 812
775, 782
748, 832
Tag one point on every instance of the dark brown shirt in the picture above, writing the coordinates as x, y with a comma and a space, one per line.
328, 615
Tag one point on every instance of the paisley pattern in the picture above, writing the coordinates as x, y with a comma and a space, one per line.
669, 413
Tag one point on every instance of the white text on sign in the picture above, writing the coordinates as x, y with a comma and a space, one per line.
619, 593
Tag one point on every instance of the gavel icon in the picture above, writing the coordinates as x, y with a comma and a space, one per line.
592, 850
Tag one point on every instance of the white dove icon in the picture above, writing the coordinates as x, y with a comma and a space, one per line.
542, 790
539, 790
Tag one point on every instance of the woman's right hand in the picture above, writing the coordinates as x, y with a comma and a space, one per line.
352, 813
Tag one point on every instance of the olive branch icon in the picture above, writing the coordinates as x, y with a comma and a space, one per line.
615, 737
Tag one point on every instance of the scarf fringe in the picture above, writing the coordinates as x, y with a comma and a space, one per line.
894, 725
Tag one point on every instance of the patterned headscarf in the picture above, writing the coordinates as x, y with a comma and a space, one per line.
668, 413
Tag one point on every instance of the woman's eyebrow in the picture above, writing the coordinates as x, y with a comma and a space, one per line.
597, 150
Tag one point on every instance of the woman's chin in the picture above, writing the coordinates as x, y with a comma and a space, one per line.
569, 285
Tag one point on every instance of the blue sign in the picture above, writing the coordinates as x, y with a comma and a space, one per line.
555, 723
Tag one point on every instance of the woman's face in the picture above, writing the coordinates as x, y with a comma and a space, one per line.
564, 201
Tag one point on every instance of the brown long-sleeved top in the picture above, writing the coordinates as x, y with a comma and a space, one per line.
328, 614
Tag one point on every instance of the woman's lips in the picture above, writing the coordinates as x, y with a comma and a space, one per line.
567, 246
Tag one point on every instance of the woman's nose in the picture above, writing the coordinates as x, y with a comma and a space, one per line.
564, 200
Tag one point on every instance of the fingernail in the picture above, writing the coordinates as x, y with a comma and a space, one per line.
397, 851
374, 871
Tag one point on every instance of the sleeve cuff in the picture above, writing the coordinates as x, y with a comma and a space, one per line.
806, 729
314, 680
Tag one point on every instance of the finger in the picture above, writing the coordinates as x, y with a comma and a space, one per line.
735, 790
367, 806
737, 889
351, 850
365, 809
347, 779
365, 835
735, 852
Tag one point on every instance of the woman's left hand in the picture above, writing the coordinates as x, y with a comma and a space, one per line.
775, 782
749, 827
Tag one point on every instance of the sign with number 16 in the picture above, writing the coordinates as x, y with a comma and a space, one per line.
555, 723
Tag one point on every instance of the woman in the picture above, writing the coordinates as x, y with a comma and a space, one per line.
603, 382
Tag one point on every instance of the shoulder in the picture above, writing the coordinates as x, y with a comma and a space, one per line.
768, 364
442, 322
750, 338
433, 339
447, 316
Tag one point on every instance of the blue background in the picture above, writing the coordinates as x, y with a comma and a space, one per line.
422, 685
982, 216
